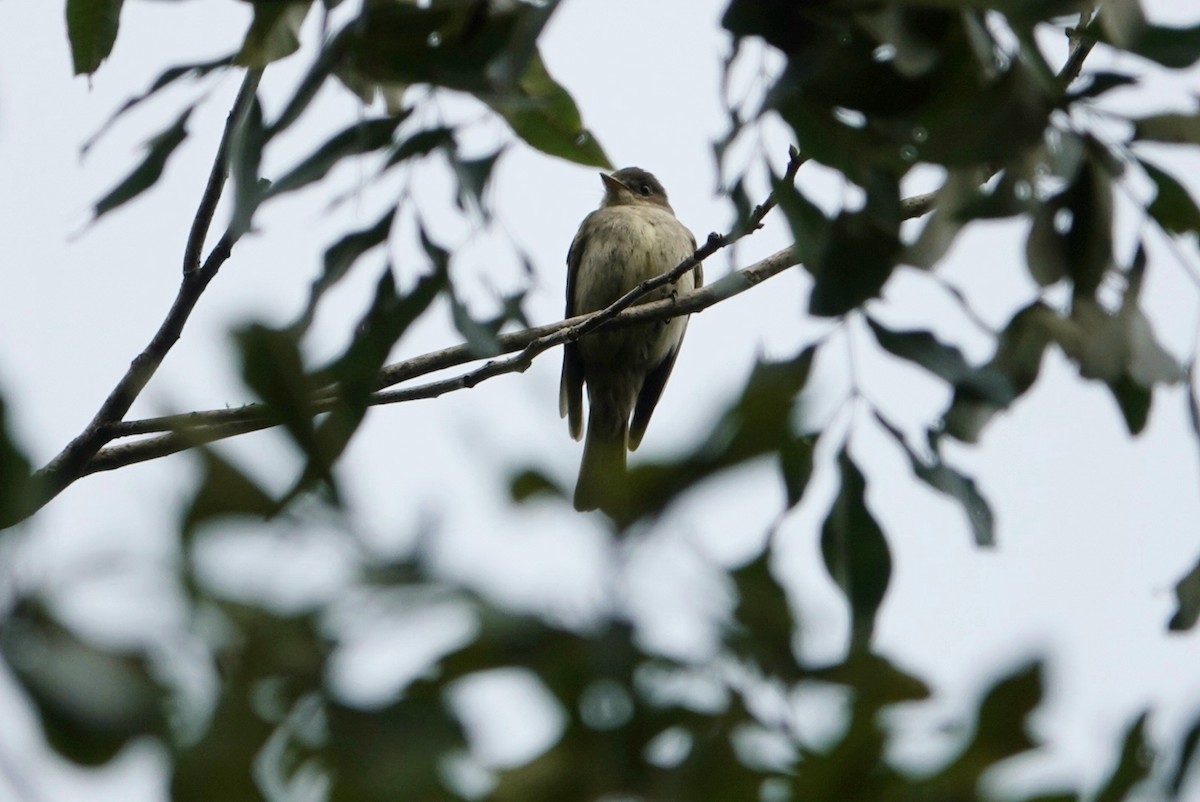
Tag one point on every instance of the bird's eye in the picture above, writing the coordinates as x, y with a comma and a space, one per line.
645, 190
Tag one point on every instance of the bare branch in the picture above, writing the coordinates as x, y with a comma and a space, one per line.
70, 463
196, 428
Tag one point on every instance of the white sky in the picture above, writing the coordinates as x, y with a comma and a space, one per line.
1094, 528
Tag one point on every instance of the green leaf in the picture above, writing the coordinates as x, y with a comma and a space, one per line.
224, 491
944, 361
1177, 48
354, 374
159, 149
1187, 754
855, 551
273, 368
246, 143
1001, 730
1134, 400
458, 44
361, 137
91, 701
274, 32
796, 465
758, 423
543, 114
375, 753
92, 28
341, 256
1187, 600
530, 484
857, 260
17, 484
1178, 129
1046, 247
1099, 83
1018, 357
422, 143
1134, 766
1173, 206
940, 476
764, 626
164, 80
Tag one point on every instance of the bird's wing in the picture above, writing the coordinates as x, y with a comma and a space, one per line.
570, 391
656, 379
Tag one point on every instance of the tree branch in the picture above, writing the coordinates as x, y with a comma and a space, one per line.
197, 428
71, 462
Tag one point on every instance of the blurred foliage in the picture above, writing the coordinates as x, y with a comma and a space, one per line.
870, 90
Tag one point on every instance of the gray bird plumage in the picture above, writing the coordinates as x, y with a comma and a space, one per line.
633, 236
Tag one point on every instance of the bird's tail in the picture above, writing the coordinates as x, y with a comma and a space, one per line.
601, 482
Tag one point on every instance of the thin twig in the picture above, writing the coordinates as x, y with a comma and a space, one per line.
220, 424
462, 354
70, 463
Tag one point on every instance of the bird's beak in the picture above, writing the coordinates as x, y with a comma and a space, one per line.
612, 184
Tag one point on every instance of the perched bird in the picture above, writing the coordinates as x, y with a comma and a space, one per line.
632, 237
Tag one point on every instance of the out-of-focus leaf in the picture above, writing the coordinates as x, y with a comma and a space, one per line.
168, 77
1179, 129
361, 137
1090, 236
764, 626
421, 143
529, 484
268, 664
1173, 206
16, 477
92, 28
159, 149
376, 754
758, 423
1187, 754
1001, 730
1133, 767
857, 260
1177, 48
272, 367
341, 256
874, 679
91, 701
796, 465
944, 361
810, 227
224, 491
274, 32
940, 476
543, 114
473, 177
1187, 599
354, 373
855, 551
1018, 357
1134, 401
1099, 83
1046, 247
461, 44
957, 201
246, 142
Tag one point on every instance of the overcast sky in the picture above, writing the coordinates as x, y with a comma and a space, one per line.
1093, 527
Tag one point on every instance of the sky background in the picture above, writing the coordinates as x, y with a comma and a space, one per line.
1093, 527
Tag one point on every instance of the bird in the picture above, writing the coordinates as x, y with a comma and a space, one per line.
632, 237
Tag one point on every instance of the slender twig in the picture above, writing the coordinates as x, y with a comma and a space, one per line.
70, 463
462, 354
219, 424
